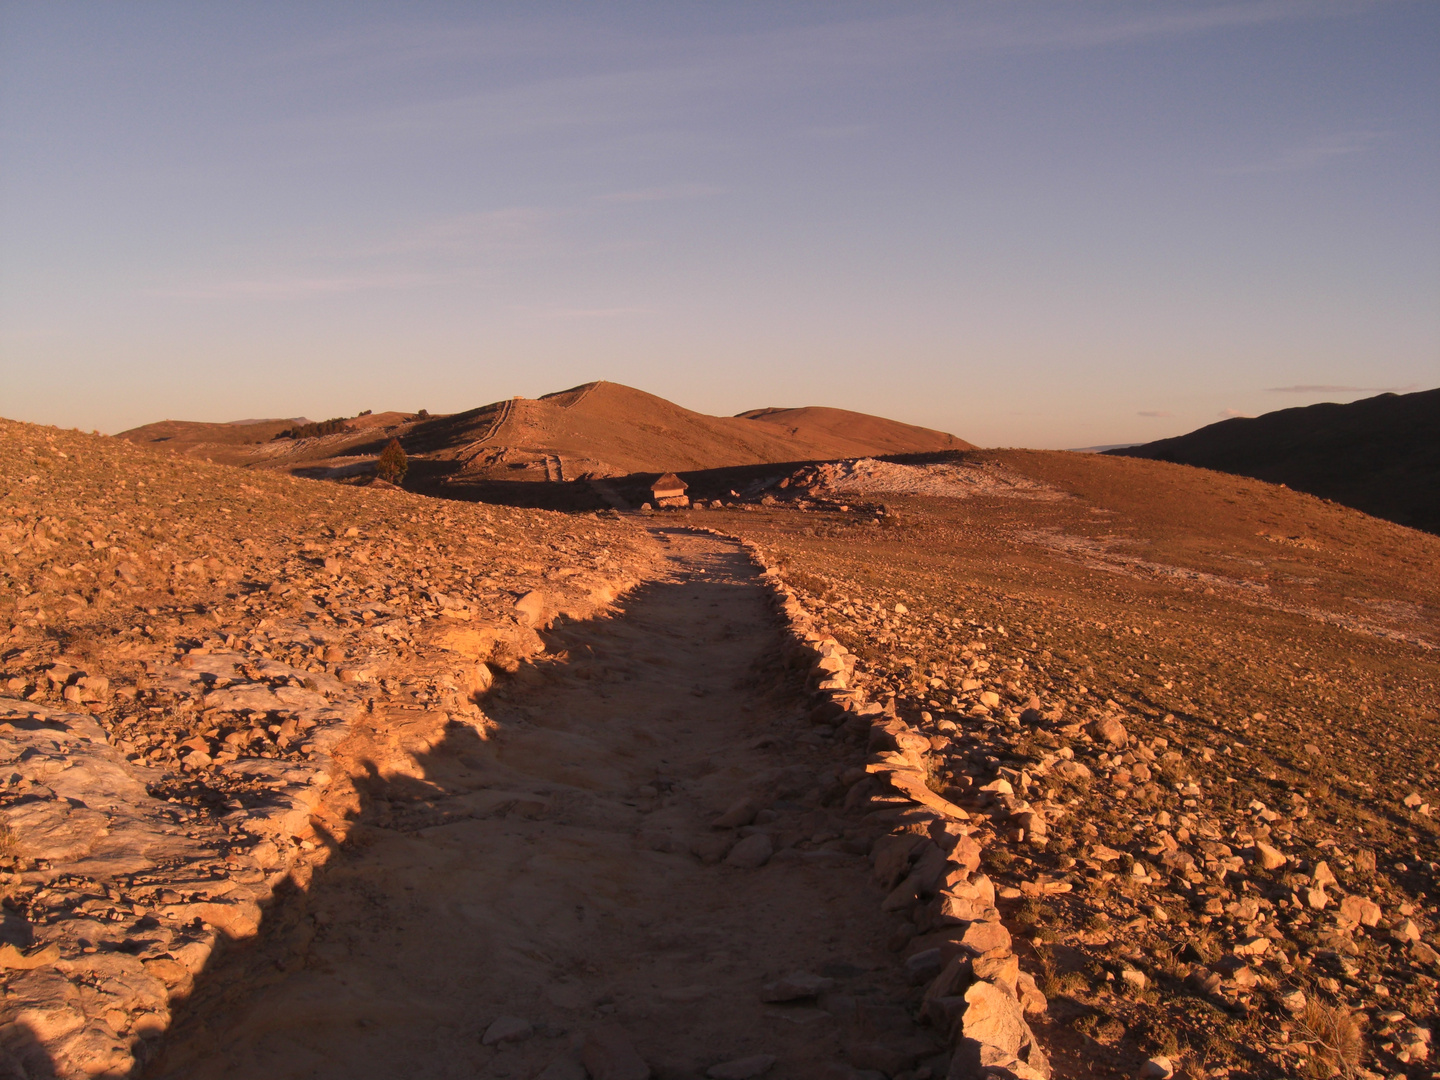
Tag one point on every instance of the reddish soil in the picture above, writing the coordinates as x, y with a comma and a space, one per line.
1273, 659
1193, 717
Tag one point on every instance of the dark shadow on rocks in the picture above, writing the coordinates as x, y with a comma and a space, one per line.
24, 1057
557, 865
446, 479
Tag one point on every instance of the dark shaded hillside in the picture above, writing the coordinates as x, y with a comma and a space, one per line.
1380, 455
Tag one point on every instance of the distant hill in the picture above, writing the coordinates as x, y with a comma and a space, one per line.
861, 433
1380, 455
591, 432
606, 429
193, 432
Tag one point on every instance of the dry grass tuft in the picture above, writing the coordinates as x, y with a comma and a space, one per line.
9, 842
935, 778
1333, 1036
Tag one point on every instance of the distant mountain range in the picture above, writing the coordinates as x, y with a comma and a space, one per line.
1380, 455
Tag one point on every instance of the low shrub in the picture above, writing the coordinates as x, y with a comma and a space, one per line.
311, 431
392, 464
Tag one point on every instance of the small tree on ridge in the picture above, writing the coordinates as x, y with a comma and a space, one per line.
393, 464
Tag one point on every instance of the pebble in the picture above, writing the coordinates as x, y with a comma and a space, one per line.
1255, 946
799, 986
739, 813
507, 1029
1405, 931
608, 1054
1360, 910
752, 852
1269, 857
742, 1068
1108, 729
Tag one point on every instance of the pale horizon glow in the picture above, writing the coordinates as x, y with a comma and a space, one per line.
1040, 224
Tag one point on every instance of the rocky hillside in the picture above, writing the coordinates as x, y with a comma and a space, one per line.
184, 646
1091, 764
1380, 455
1203, 713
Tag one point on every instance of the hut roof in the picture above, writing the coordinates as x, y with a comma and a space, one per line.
669, 482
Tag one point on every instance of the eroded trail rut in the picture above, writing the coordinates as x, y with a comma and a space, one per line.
557, 882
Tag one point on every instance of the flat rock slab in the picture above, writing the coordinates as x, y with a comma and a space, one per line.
80, 800
76, 807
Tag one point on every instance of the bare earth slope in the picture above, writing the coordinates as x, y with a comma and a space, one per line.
370, 785
257, 442
189, 433
1205, 710
1206, 707
855, 434
1380, 455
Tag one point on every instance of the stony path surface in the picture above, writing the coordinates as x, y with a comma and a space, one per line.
564, 872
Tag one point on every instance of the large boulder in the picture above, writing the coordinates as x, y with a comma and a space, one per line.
1108, 729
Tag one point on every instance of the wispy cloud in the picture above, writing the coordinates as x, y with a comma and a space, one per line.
1158, 414
1312, 153
486, 230
1090, 31
843, 36
671, 193
442, 251
595, 313
283, 287
592, 73
1320, 388
1231, 414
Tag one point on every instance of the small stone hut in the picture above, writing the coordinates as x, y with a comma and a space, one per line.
669, 490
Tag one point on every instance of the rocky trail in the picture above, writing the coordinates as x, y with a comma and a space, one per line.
307, 780
518, 904
313, 780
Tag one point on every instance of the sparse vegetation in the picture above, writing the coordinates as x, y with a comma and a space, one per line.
335, 426
1333, 1037
935, 775
392, 465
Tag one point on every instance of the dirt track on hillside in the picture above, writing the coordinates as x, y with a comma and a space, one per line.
548, 874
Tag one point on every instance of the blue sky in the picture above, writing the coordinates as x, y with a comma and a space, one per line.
1029, 224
